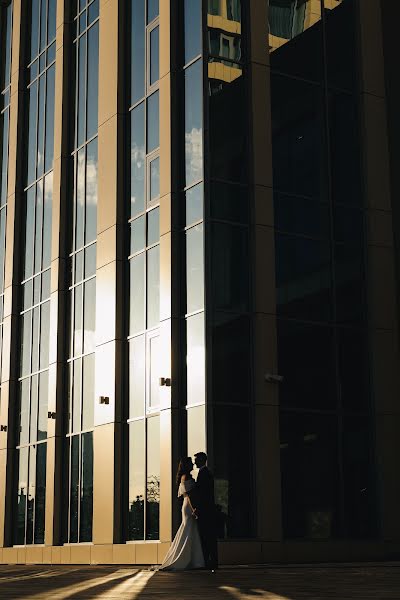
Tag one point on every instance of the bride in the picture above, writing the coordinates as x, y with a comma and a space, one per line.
185, 551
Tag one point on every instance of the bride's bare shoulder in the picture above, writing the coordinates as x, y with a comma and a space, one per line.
184, 478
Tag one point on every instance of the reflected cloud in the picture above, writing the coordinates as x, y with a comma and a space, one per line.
194, 154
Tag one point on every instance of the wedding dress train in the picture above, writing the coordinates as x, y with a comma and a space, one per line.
185, 551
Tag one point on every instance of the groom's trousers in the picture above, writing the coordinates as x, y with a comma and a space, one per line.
208, 537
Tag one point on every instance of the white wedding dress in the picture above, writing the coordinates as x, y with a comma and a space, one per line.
185, 551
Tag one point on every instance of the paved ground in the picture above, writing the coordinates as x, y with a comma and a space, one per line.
297, 582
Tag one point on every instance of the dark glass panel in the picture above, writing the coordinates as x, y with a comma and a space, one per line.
49, 148
38, 226
297, 130
91, 192
195, 268
348, 225
42, 62
4, 160
309, 471
232, 472
88, 391
43, 405
29, 231
74, 489
155, 178
89, 318
153, 397
350, 285
194, 123
93, 11
31, 154
34, 70
137, 294
228, 130
138, 159
78, 329
86, 508
359, 481
194, 204
152, 10
341, 58
8, 45
153, 227
303, 216
193, 29
231, 358
138, 50
51, 23
82, 22
47, 220
43, 24
138, 234
345, 149
230, 267
44, 335
353, 369
229, 202
153, 122
306, 361
30, 513
153, 479
195, 360
90, 261
35, 29
303, 278
77, 395
137, 377
23, 437
81, 107
92, 81
40, 493
22, 496
80, 199
227, 47
26, 343
154, 55
295, 39
41, 126
153, 286
137, 461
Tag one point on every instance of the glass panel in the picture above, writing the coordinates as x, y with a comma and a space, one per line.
35, 340
91, 192
352, 347
92, 81
47, 220
93, 11
341, 59
78, 274
304, 216
44, 335
153, 286
88, 391
231, 358
350, 284
153, 400
2, 248
81, 108
90, 261
43, 404
46, 283
154, 56
31, 495
153, 122
196, 432
138, 234
309, 470
153, 227
35, 29
193, 29
137, 459
138, 159
51, 23
28, 289
138, 50
195, 359
195, 268
49, 148
43, 24
22, 496
38, 226
232, 472
152, 10
137, 294
34, 409
194, 204
306, 354
41, 125
4, 159
194, 123
40, 493
295, 39
229, 202
26, 343
78, 333
24, 412
80, 199
36, 289
303, 278
137, 355
77, 395
153, 479
155, 178
74, 490
86, 508
33, 91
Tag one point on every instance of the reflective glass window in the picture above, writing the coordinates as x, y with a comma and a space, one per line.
153, 479
138, 160
153, 122
195, 268
153, 287
137, 378
193, 29
194, 123
195, 359
154, 55
137, 491
138, 50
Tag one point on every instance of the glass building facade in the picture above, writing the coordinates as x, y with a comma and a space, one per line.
196, 254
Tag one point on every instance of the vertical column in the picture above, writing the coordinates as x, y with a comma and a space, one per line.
109, 367
266, 418
12, 257
381, 278
59, 286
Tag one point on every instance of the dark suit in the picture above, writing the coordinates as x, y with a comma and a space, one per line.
205, 504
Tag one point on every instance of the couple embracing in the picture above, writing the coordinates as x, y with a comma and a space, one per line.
195, 543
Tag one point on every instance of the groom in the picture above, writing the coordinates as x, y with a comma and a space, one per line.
205, 511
